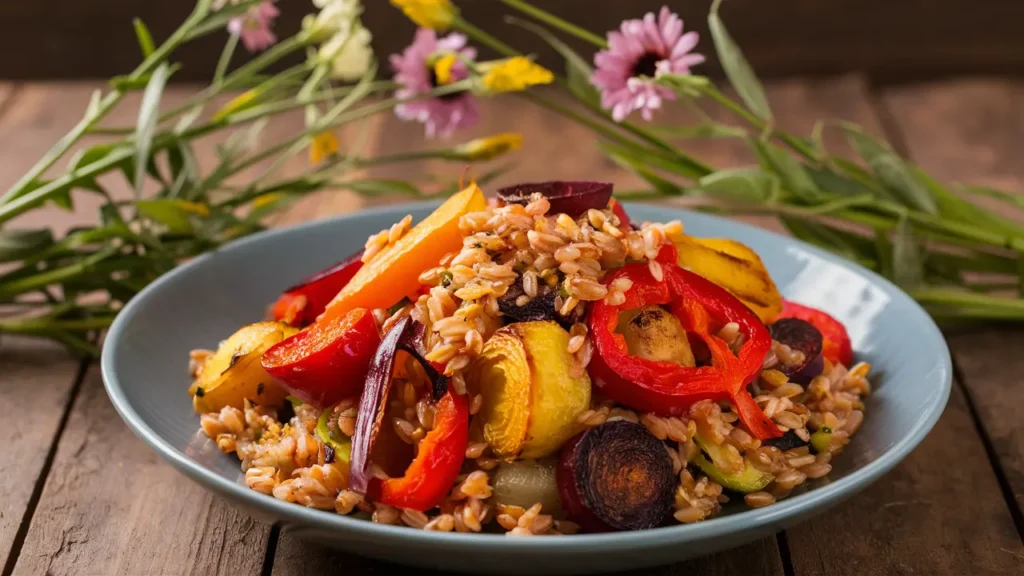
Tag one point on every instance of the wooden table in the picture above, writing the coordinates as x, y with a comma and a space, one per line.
81, 495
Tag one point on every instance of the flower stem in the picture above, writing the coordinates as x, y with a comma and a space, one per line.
497, 45
551, 19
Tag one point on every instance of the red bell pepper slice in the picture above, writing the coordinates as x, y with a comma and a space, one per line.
620, 211
301, 304
429, 479
835, 340
326, 362
667, 388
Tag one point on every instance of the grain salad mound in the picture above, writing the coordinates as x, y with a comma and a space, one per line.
523, 368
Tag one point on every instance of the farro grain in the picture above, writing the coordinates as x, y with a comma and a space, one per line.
656, 271
476, 450
442, 523
347, 501
759, 499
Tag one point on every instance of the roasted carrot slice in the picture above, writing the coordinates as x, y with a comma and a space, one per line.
394, 273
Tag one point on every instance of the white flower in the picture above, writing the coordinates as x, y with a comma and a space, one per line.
349, 53
334, 17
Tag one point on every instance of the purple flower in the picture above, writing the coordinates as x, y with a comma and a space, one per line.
254, 26
643, 48
416, 72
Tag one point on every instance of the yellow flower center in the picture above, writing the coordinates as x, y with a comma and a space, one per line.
443, 69
433, 14
516, 74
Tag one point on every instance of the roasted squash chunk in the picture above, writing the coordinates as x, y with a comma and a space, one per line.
530, 399
234, 374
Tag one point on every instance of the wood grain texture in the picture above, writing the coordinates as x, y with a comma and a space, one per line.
112, 506
35, 380
983, 146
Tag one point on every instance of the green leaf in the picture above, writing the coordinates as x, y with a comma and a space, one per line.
134, 84
890, 169
144, 37
577, 70
176, 215
845, 244
149, 113
792, 173
661, 185
744, 184
17, 243
737, 68
907, 261
686, 85
1012, 199
381, 187
698, 131
956, 208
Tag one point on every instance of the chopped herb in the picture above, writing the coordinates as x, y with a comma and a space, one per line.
398, 306
478, 245
259, 389
826, 429
259, 434
446, 278
200, 392
562, 290
295, 401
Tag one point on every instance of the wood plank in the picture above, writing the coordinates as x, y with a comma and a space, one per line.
982, 147
112, 506
36, 380
940, 511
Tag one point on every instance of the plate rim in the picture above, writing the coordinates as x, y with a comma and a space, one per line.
805, 505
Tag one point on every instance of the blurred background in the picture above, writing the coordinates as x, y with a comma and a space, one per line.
891, 40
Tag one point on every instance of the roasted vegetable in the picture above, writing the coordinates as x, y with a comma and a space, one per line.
654, 334
616, 476
530, 399
301, 304
526, 482
234, 374
821, 440
339, 444
715, 462
541, 307
835, 340
787, 441
440, 454
394, 273
327, 361
734, 267
572, 198
667, 388
801, 336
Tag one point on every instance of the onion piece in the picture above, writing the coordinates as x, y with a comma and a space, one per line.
572, 198
407, 335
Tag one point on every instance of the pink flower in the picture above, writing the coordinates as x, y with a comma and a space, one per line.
254, 26
416, 73
643, 48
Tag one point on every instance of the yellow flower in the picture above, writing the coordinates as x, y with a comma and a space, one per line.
237, 104
433, 14
516, 74
324, 145
265, 199
443, 68
196, 208
489, 148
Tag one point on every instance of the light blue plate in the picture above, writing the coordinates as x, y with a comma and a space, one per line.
195, 306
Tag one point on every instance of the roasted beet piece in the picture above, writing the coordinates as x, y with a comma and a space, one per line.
542, 307
802, 336
572, 198
616, 476
787, 441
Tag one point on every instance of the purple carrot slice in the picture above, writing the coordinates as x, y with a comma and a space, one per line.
572, 198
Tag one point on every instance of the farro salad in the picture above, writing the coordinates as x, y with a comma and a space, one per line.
534, 364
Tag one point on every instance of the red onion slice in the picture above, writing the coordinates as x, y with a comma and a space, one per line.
572, 198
